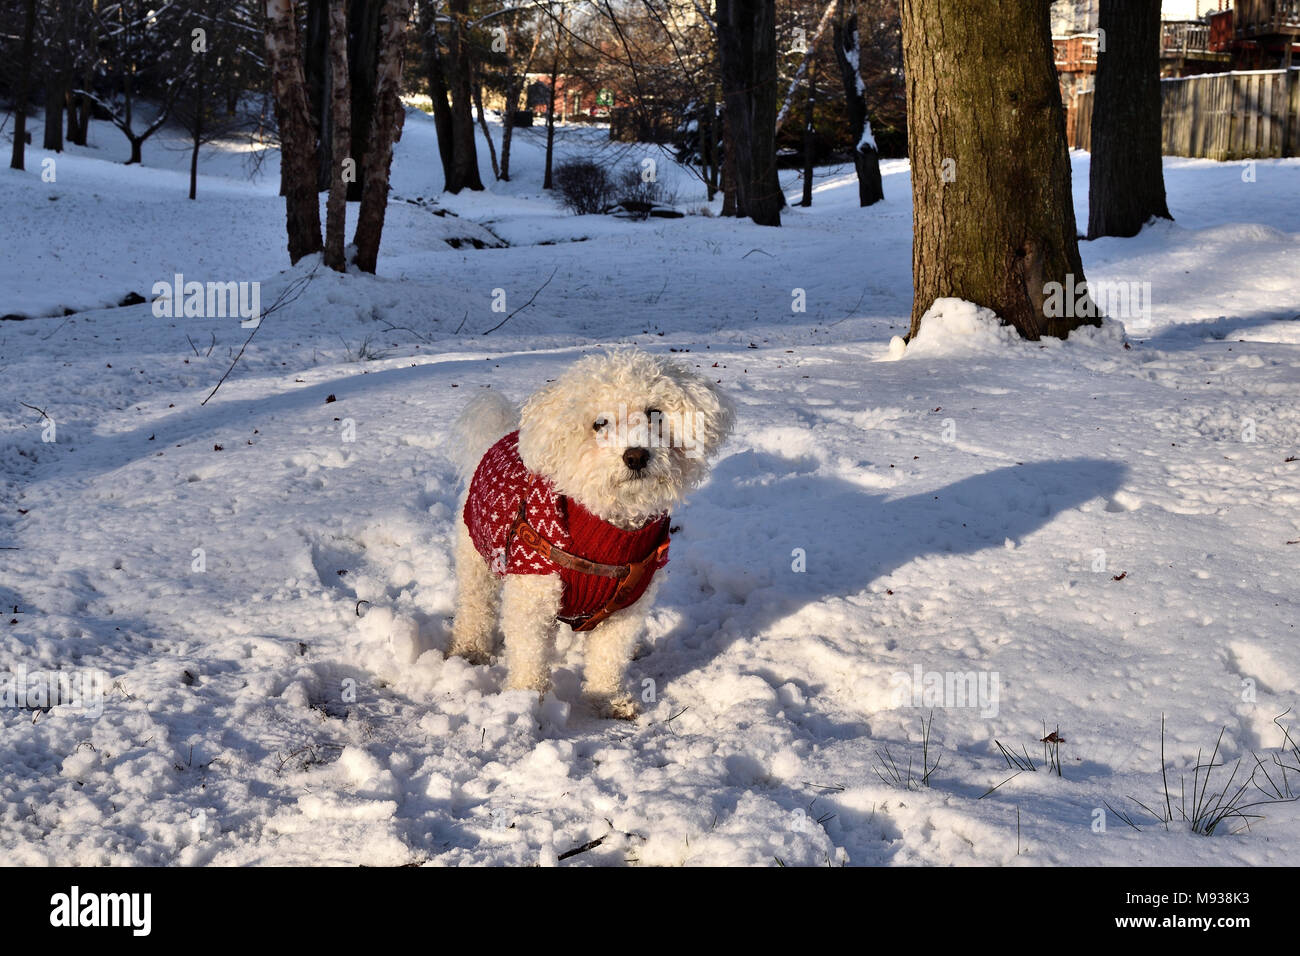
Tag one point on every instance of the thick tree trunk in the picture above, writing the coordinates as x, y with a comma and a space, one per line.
438, 94
363, 70
56, 95
386, 130
992, 220
848, 53
730, 206
460, 67
341, 121
297, 138
747, 49
1126, 182
315, 70
17, 156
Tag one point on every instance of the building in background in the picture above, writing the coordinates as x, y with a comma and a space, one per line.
1196, 37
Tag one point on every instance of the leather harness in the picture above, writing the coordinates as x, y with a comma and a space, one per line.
629, 576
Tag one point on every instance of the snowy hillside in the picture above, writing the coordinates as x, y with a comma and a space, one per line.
1098, 532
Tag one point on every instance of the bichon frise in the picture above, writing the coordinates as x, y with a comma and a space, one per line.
565, 515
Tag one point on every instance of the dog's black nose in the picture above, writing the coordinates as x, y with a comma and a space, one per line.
636, 458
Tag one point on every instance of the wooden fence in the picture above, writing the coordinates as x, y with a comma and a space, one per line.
1248, 115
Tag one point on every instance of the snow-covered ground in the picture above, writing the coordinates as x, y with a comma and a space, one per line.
1098, 533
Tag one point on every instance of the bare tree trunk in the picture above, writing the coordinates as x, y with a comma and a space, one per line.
363, 71
993, 220
747, 49
487, 133
508, 133
387, 130
808, 135
56, 94
550, 116
297, 138
438, 94
200, 94
341, 112
709, 144
315, 67
848, 53
461, 66
17, 157
730, 204
1126, 182
84, 105
809, 56
514, 82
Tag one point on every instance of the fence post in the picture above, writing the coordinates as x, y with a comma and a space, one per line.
1290, 105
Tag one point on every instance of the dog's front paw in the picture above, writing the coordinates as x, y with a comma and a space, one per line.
473, 655
622, 707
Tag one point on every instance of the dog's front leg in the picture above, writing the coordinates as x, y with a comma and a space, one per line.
610, 646
529, 605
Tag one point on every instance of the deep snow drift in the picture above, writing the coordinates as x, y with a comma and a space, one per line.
1094, 533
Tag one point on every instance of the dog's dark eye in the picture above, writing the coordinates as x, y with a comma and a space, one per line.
599, 424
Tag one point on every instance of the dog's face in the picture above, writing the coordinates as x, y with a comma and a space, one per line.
626, 434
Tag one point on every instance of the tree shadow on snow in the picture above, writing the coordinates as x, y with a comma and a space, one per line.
731, 570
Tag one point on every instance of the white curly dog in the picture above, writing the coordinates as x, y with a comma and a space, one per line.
565, 512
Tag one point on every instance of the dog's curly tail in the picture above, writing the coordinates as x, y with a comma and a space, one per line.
488, 418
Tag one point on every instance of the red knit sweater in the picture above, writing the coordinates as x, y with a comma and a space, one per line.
501, 481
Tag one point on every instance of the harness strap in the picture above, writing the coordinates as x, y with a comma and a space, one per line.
629, 576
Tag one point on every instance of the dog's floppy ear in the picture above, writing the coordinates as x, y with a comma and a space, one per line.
713, 412
543, 440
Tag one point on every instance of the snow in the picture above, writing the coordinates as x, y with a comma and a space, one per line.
1097, 535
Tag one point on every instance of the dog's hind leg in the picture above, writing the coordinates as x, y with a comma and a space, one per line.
529, 604
477, 592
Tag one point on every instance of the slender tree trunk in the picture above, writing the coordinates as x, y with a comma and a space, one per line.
808, 135
70, 103
508, 133
460, 67
387, 130
82, 110
17, 156
848, 53
297, 138
1126, 182
992, 221
200, 94
137, 144
78, 105
515, 84
487, 133
709, 144
747, 48
341, 120
550, 116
